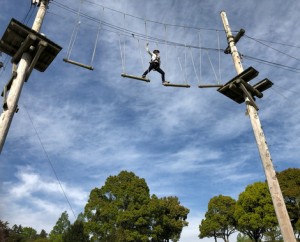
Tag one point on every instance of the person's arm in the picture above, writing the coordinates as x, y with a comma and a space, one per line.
148, 51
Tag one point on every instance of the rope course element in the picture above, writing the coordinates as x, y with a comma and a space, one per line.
185, 84
140, 37
73, 39
123, 31
123, 56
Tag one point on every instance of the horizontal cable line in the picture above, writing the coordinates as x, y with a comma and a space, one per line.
133, 16
289, 68
273, 48
128, 33
277, 43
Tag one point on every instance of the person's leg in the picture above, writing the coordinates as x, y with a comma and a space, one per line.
150, 68
162, 74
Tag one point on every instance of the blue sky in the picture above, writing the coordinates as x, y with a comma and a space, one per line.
187, 142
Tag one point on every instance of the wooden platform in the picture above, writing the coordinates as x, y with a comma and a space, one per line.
231, 89
18, 39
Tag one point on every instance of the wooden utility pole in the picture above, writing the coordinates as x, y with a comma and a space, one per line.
21, 76
275, 191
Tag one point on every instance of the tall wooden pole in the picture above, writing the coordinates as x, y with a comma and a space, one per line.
16, 87
275, 191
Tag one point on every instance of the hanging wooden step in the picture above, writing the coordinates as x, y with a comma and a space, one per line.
209, 86
176, 85
135, 77
78, 64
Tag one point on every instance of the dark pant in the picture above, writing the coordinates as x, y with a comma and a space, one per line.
155, 66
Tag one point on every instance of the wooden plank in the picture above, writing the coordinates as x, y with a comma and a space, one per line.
176, 85
135, 77
263, 85
208, 86
78, 64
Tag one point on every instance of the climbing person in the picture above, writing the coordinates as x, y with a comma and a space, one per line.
155, 64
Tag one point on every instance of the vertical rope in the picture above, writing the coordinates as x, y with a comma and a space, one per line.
124, 44
212, 67
75, 32
185, 74
219, 57
122, 58
194, 65
166, 37
143, 66
180, 65
95, 46
146, 31
96, 41
200, 56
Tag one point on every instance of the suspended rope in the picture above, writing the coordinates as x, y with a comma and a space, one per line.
146, 31
142, 59
124, 74
216, 78
122, 55
96, 41
184, 74
166, 38
183, 70
212, 67
200, 56
220, 78
73, 40
74, 33
193, 62
124, 43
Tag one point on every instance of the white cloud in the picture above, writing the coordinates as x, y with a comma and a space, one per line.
38, 202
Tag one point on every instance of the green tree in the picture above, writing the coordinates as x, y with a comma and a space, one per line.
168, 218
75, 233
254, 212
42, 240
243, 238
122, 211
43, 234
118, 210
219, 220
28, 234
42, 237
60, 228
4, 231
273, 235
208, 229
289, 181
15, 234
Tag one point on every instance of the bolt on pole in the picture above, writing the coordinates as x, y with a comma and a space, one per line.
275, 191
17, 84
